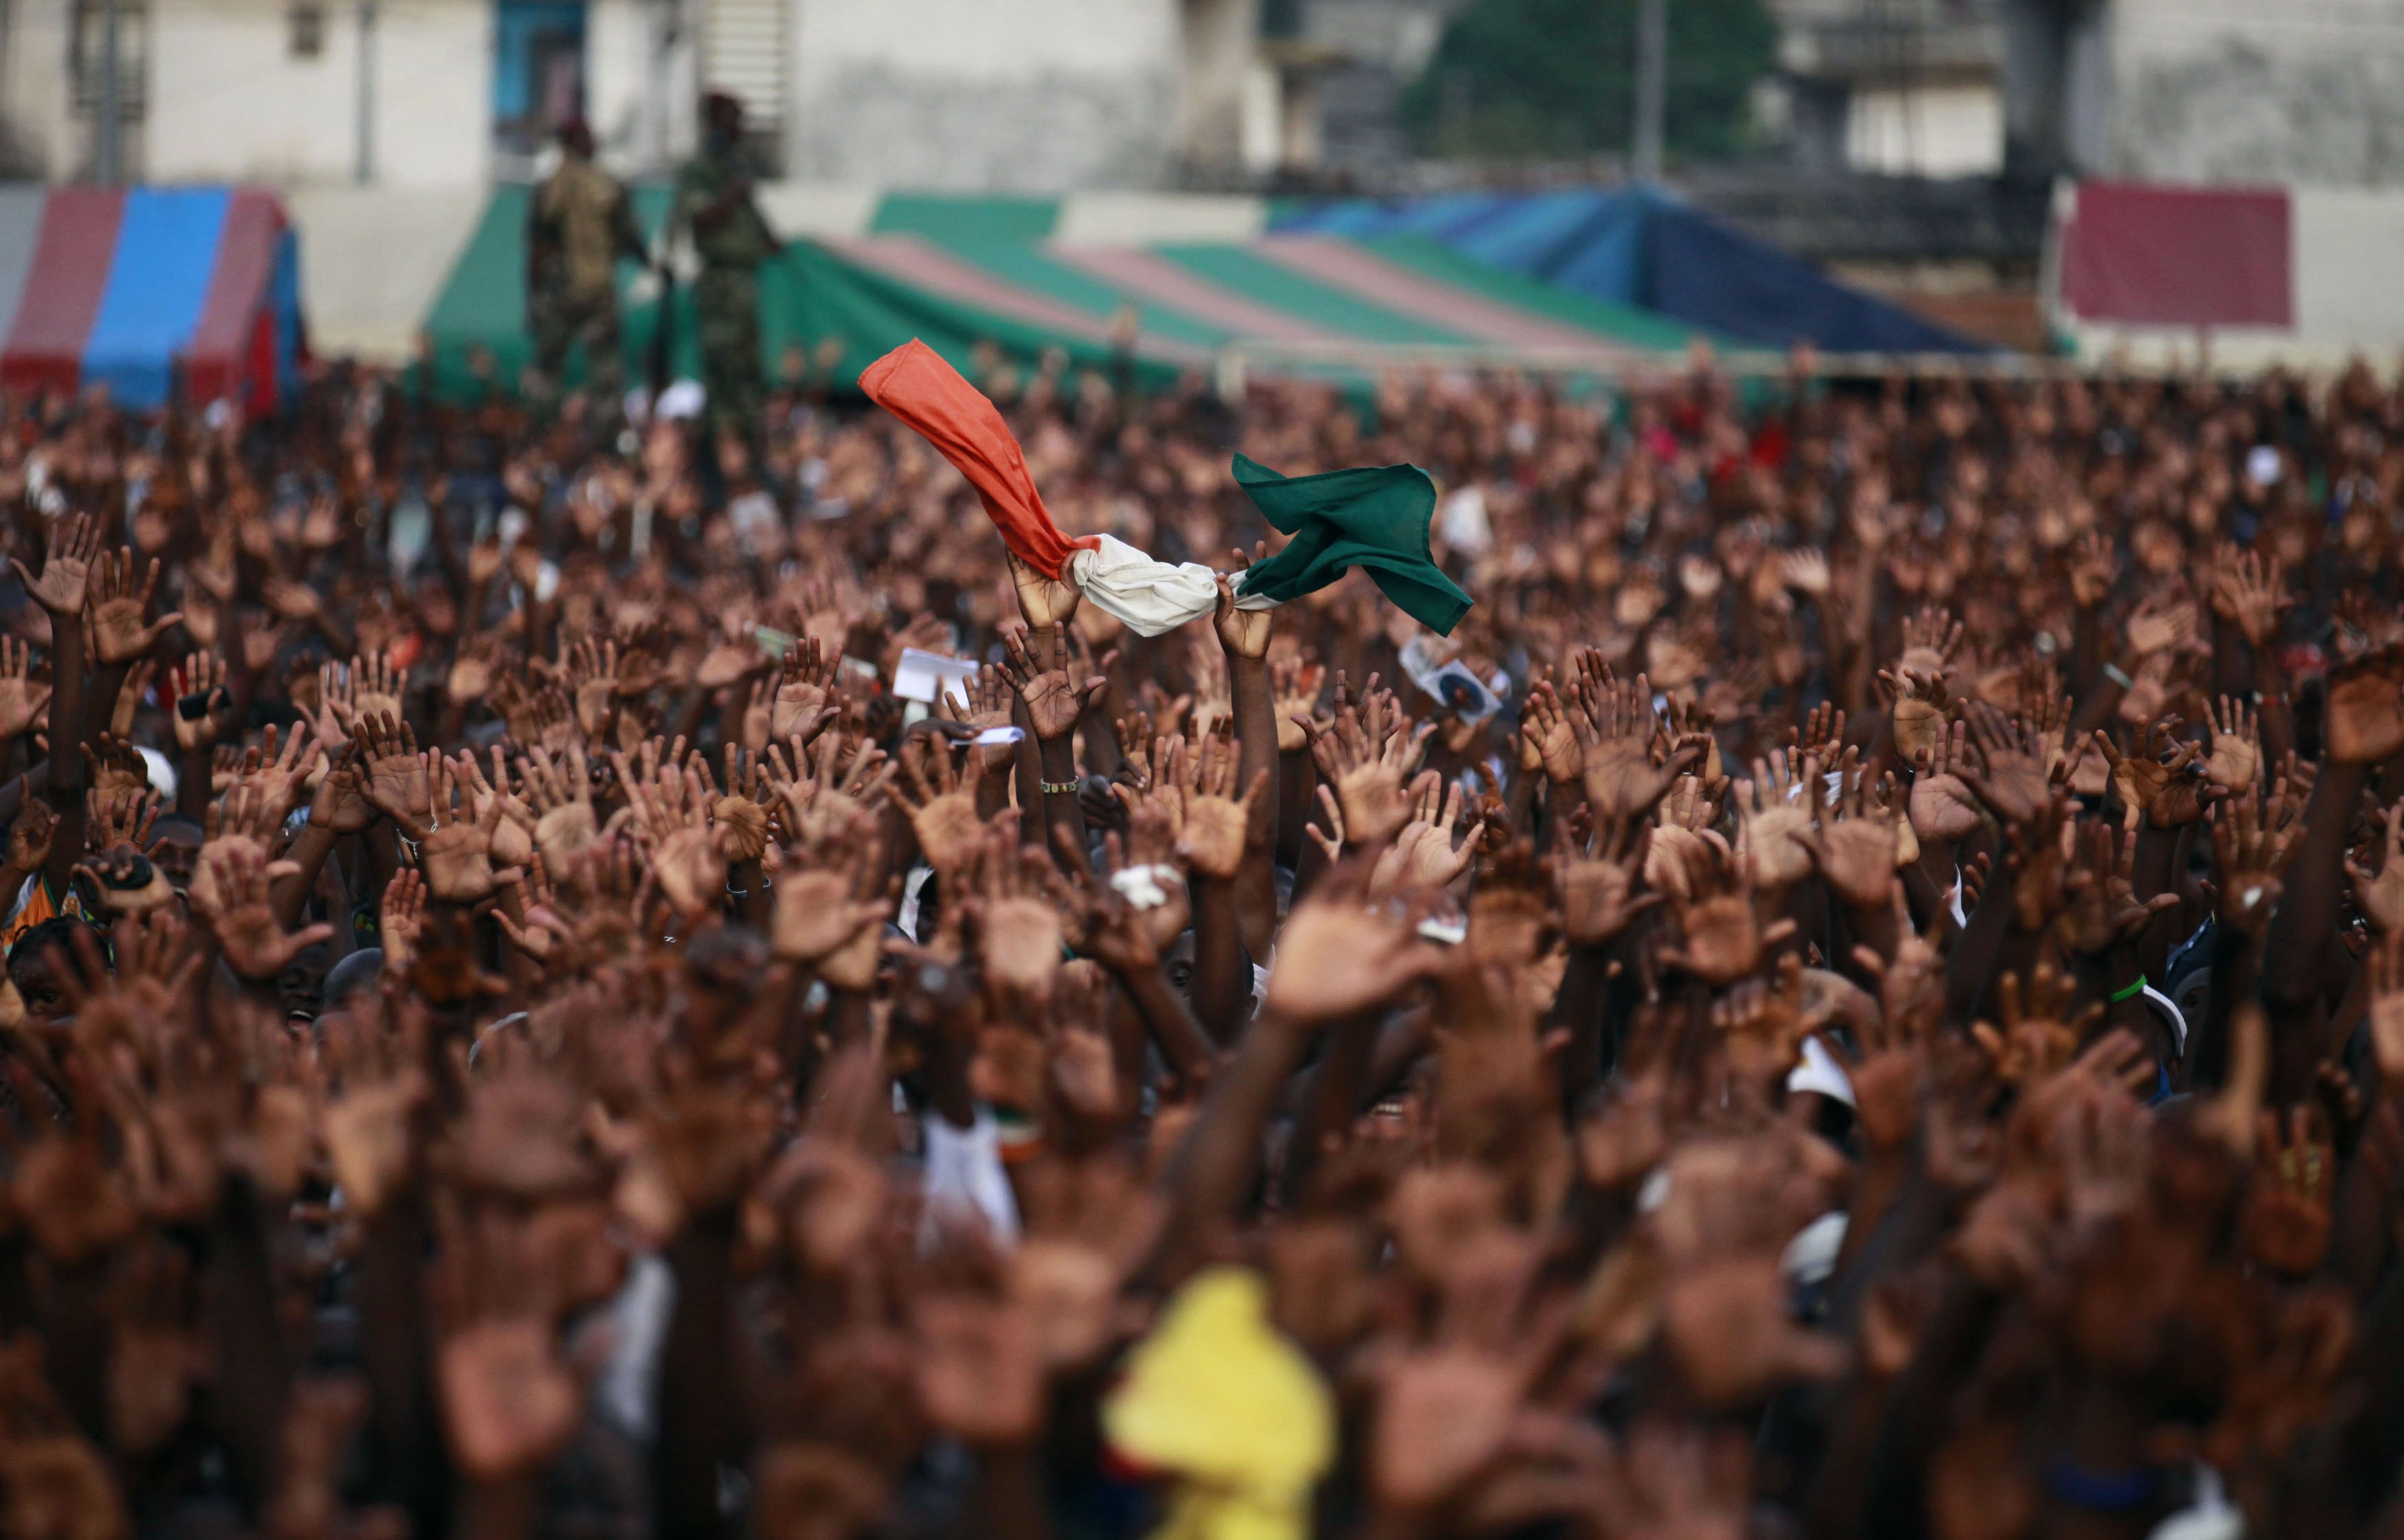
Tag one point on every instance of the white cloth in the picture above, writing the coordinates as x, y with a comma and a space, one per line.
1821, 1073
1145, 887
965, 1178
1810, 1256
2210, 1516
2169, 1010
1150, 596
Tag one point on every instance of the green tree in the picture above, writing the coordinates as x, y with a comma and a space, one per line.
1545, 78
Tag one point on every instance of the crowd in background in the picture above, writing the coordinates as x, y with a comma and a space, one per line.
1859, 992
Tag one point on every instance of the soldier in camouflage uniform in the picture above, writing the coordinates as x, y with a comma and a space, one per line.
578, 223
714, 205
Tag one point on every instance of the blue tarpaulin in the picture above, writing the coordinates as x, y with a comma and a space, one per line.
1639, 247
166, 254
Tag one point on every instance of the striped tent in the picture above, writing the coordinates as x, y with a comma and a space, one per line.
1638, 246
156, 293
959, 273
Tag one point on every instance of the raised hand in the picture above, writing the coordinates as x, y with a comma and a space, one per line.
1365, 755
1722, 934
235, 904
1338, 954
401, 918
1597, 889
831, 905
2286, 1225
1932, 639
118, 830
560, 794
1857, 848
1774, 822
70, 547
2382, 893
1043, 601
279, 775
1805, 570
123, 819
2101, 908
2162, 789
590, 669
2250, 848
1918, 708
2364, 714
2016, 783
808, 697
397, 782
1014, 910
1942, 807
735, 657
2158, 624
941, 812
983, 704
454, 846
2251, 591
2236, 762
1423, 856
513, 838
1616, 729
2038, 1035
341, 803
21, 698
1244, 633
671, 821
979, 1370
470, 679
1548, 740
376, 686
30, 834
850, 777
1294, 684
118, 632
2385, 1014
1054, 701
203, 710
1217, 824
1760, 1021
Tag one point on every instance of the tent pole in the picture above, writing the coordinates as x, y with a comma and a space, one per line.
364, 172
1652, 85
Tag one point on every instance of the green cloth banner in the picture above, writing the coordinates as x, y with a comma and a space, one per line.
1372, 517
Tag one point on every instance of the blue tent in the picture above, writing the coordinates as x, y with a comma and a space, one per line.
1639, 247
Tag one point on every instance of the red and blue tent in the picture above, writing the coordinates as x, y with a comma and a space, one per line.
159, 293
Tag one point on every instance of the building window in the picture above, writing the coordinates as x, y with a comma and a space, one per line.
538, 75
307, 37
87, 47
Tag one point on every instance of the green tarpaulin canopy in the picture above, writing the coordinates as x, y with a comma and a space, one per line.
959, 272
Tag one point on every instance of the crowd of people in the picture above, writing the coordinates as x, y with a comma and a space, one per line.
1859, 990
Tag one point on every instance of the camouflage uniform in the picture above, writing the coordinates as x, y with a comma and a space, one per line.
726, 295
578, 225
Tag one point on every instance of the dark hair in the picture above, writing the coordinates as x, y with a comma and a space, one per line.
58, 931
355, 975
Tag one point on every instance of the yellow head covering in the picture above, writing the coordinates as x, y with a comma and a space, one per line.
1217, 1398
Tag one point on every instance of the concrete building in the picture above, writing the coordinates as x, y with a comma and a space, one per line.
2179, 90
2306, 91
399, 94
1032, 95
1908, 88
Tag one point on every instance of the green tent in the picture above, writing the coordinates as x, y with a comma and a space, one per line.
961, 272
